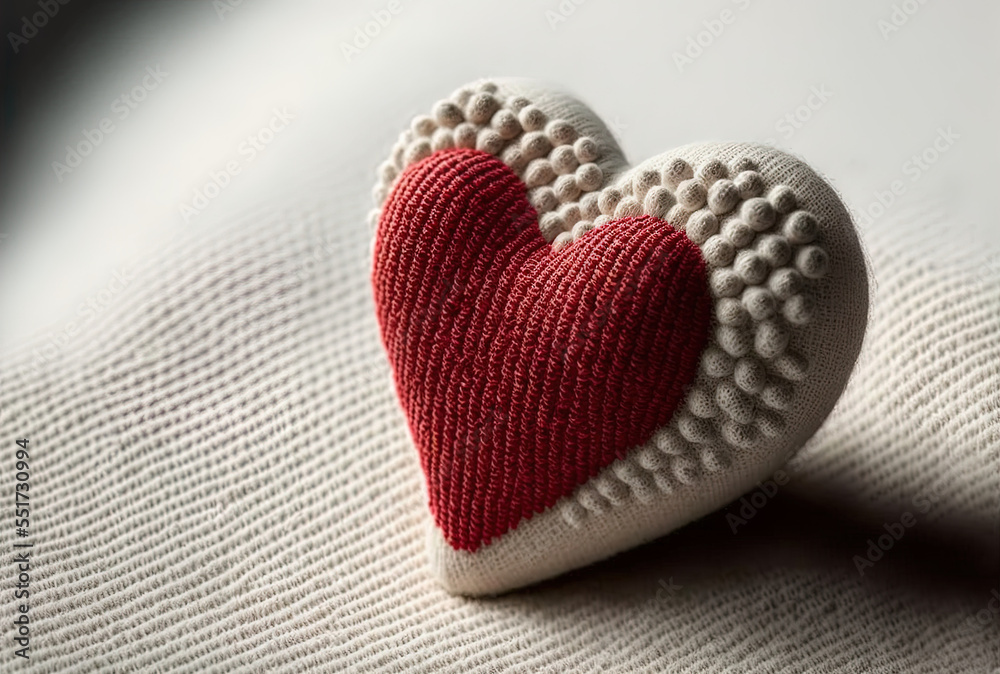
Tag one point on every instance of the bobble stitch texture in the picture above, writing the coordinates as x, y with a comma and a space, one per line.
750, 184
738, 233
714, 460
777, 395
543, 199
782, 199
774, 249
758, 214
628, 207
739, 435
737, 405
791, 366
589, 177
532, 118
588, 204
643, 183
465, 135
718, 251
518, 103
734, 341
561, 241
801, 227
581, 228
481, 108
729, 311
570, 212
763, 249
760, 304
711, 171
563, 160
423, 125
566, 188
668, 441
608, 199
685, 470
586, 150
514, 158
676, 172
723, 196
652, 459
751, 267
552, 225
771, 339
658, 202
506, 124
443, 139
448, 114
785, 283
573, 512
695, 430
691, 194
538, 173
560, 132
725, 283
611, 489
588, 497
750, 375
717, 363
535, 144
798, 309
701, 225
701, 404
812, 262
490, 141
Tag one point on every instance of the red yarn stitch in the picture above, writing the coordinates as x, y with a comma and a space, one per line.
523, 372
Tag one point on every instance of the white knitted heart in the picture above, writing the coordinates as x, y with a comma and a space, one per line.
790, 292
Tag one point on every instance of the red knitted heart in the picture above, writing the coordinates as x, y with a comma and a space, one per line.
522, 371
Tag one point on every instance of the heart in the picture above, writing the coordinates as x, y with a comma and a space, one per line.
590, 355
491, 334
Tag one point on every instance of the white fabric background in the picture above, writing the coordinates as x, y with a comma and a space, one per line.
224, 478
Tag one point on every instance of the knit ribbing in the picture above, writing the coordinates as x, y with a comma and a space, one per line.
524, 371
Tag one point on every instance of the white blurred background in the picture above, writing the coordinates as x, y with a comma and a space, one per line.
856, 88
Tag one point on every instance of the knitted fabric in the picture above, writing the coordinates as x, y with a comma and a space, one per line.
525, 371
789, 301
226, 482
926, 394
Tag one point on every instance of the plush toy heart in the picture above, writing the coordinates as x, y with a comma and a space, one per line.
590, 356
